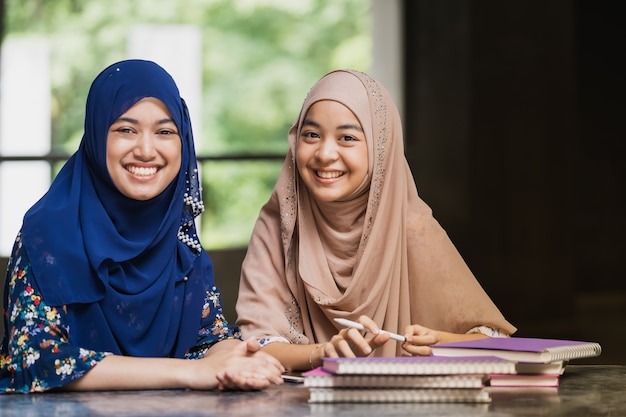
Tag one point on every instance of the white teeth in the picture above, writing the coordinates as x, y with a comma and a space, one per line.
142, 171
334, 174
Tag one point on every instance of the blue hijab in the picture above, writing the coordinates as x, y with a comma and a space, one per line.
132, 274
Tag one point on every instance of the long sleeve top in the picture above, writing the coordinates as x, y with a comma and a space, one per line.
36, 353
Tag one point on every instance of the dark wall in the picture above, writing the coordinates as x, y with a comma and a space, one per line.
515, 133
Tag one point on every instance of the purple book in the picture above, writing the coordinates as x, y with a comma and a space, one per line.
419, 365
521, 349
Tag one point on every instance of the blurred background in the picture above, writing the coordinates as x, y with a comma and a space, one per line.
243, 67
513, 115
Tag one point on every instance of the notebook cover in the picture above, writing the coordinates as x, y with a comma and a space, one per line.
522, 349
419, 365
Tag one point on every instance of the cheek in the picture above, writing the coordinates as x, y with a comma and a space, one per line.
177, 155
300, 160
110, 157
177, 164
364, 158
172, 152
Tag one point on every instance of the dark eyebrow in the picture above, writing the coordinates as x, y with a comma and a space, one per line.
309, 122
135, 121
350, 126
126, 119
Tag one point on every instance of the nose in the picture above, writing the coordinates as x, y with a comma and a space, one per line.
144, 147
327, 150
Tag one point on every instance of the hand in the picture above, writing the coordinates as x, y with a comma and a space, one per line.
419, 339
241, 365
351, 343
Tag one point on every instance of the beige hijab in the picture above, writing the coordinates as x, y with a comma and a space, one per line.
379, 253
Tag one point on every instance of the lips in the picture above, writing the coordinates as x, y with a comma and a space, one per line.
141, 171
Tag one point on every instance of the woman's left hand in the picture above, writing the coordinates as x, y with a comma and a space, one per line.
419, 339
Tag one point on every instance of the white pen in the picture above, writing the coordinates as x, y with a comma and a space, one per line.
359, 326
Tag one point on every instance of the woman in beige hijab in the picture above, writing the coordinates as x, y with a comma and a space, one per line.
345, 235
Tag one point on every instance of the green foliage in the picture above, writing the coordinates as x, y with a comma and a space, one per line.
229, 216
260, 57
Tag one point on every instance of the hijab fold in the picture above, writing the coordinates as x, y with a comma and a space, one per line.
130, 269
395, 263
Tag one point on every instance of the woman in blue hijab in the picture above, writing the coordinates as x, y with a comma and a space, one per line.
108, 286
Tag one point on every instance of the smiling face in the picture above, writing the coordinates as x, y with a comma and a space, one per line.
143, 151
332, 151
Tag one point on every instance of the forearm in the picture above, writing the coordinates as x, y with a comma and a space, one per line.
296, 357
127, 373
446, 337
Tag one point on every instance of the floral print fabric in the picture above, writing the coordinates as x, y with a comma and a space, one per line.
36, 353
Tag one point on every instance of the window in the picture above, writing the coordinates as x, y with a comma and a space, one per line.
252, 63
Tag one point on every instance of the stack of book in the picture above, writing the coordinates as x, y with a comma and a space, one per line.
539, 362
456, 372
405, 379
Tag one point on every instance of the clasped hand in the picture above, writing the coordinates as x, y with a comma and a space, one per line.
242, 365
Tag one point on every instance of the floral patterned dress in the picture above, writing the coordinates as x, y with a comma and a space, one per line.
36, 355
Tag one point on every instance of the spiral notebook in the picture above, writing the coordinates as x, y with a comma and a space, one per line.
400, 395
521, 349
319, 378
524, 380
419, 365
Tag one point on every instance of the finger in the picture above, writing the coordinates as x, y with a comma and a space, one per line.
272, 374
252, 345
422, 340
224, 381
417, 350
256, 384
252, 382
379, 340
269, 362
415, 330
357, 343
330, 351
369, 324
266, 360
342, 347
244, 380
277, 380
269, 366
275, 363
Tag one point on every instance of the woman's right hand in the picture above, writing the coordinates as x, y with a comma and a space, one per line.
352, 343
